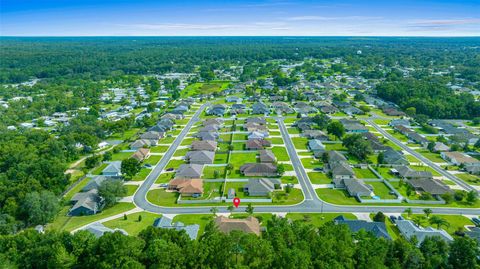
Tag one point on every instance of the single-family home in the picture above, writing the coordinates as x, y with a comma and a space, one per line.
267, 156
357, 187
208, 145
406, 172
248, 225
94, 183
409, 230
459, 158
141, 154
257, 135
200, 157
378, 229
259, 170
189, 171
140, 143
98, 229
261, 186
113, 169
440, 147
216, 121
353, 126
430, 185
393, 157
186, 186
86, 203
152, 136
257, 120
260, 108
316, 145
167, 223
257, 144
217, 110
207, 136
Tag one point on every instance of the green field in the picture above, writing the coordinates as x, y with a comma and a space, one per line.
204, 88
132, 225
280, 153
319, 178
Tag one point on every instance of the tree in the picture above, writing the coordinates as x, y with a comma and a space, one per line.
321, 120
411, 111
436, 220
249, 209
214, 211
139, 218
381, 158
357, 146
336, 128
448, 197
379, 217
40, 208
464, 253
427, 212
408, 211
92, 161
107, 156
110, 190
280, 169
459, 195
472, 197
130, 167
231, 208
435, 251
431, 146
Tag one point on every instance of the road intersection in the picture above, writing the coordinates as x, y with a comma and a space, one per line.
311, 203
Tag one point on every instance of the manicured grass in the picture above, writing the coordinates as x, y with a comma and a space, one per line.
180, 152
162, 198
187, 141
209, 171
300, 142
335, 146
317, 219
276, 140
223, 147
411, 158
64, 222
77, 188
470, 179
131, 225
131, 189
364, 173
121, 156
384, 172
164, 177
174, 164
167, 140
336, 197
293, 130
125, 135
204, 88
220, 158
311, 163
99, 169
238, 146
274, 132
398, 135
434, 157
240, 137
381, 190
238, 187
381, 122
239, 159
153, 160
282, 198
225, 138
280, 153
425, 168
142, 174
289, 179
189, 219
159, 149
319, 178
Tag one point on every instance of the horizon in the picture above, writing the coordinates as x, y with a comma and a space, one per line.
287, 18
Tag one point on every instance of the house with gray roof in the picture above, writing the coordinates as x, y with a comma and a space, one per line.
378, 229
167, 223
260, 108
357, 187
261, 186
207, 145
406, 172
98, 229
257, 135
259, 170
267, 156
217, 110
430, 185
86, 203
141, 143
409, 230
353, 126
205, 136
152, 136
94, 183
113, 169
200, 157
189, 171
181, 109
391, 156
316, 145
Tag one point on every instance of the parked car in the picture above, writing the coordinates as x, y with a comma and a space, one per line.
147, 165
476, 221
196, 195
400, 218
393, 219
317, 169
163, 185
169, 169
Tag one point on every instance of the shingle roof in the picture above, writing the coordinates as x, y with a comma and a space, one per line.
267, 156
189, 171
379, 229
248, 225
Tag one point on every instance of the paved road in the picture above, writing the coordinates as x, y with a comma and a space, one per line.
421, 157
311, 204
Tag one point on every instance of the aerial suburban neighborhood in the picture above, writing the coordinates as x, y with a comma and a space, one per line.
239, 152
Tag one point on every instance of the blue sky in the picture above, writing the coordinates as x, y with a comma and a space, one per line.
253, 18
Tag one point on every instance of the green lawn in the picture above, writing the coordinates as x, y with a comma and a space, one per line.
162, 198
153, 160
381, 190
64, 222
142, 174
239, 159
434, 157
282, 198
180, 152
455, 221
238, 146
174, 164
333, 196
470, 179
167, 140
240, 137
293, 130
99, 169
220, 158
364, 173
319, 178
120, 156
209, 171
190, 219
204, 88
311, 163
335, 146
276, 140
384, 172
131, 189
164, 177
280, 153
132, 225
159, 149
77, 188
300, 142
317, 219
425, 168
289, 179
125, 135
187, 141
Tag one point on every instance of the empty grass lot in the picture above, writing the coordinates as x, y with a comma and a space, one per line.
310, 163
280, 153
434, 157
276, 140
470, 179
335, 146
120, 156
319, 178
158, 149
131, 225
131, 189
300, 142
174, 164
152, 160
164, 177
209, 172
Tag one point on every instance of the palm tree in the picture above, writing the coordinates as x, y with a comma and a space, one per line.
408, 211
249, 209
427, 212
214, 211
436, 220
418, 220
231, 208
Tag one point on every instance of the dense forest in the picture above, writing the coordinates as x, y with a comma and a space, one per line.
283, 245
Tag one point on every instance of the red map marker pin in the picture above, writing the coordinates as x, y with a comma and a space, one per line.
236, 202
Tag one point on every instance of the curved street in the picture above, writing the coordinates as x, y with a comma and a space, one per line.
311, 204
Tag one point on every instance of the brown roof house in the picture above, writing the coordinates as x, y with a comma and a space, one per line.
459, 158
259, 170
257, 143
189, 171
187, 187
141, 143
267, 156
152, 136
200, 157
141, 154
207, 145
248, 225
